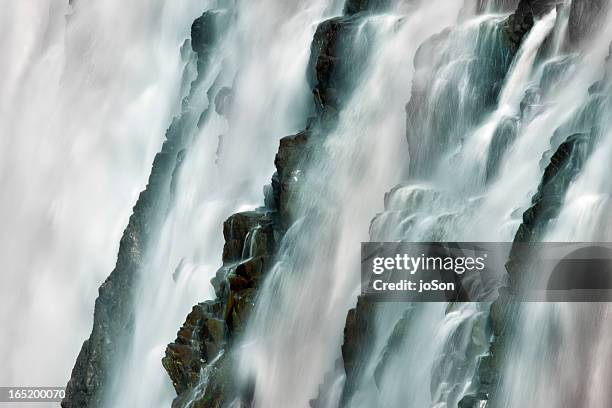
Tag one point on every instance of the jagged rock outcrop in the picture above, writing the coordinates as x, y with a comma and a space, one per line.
92, 375
335, 65
564, 166
357, 342
521, 21
197, 373
201, 359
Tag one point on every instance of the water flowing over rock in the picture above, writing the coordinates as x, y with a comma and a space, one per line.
92, 375
499, 128
565, 163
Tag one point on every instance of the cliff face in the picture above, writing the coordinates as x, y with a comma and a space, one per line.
496, 46
201, 361
93, 375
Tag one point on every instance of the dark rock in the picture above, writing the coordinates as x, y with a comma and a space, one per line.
472, 401
289, 161
334, 66
202, 343
113, 314
519, 24
357, 336
206, 31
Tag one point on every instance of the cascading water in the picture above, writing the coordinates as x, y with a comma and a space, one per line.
559, 349
86, 90
444, 342
506, 114
223, 170
292, 341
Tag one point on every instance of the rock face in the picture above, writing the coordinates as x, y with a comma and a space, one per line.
334, 66
357, 330
201, 359
202, 349
113, 316
92, 374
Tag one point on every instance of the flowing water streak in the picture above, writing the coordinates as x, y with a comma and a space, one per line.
86, 92
510, 98
432, 209
567, 364
263, 59
292, 341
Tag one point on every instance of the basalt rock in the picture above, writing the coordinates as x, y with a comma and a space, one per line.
521, 21
203, 348
206, 32
357, 335
251, 238
293, 152
519, 24
564, 166
334, 66
203, 344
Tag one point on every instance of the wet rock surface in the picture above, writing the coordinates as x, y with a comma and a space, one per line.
203, 343
251, 238
201, 360
357, 342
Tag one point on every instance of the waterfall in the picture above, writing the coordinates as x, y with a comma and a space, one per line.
558, 349
86, 91
261, 65
294, 339
235, 281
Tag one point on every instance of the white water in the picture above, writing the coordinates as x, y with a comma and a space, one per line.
84, 107
86, 92
425, 370
294, 338
567, 364
264, 59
